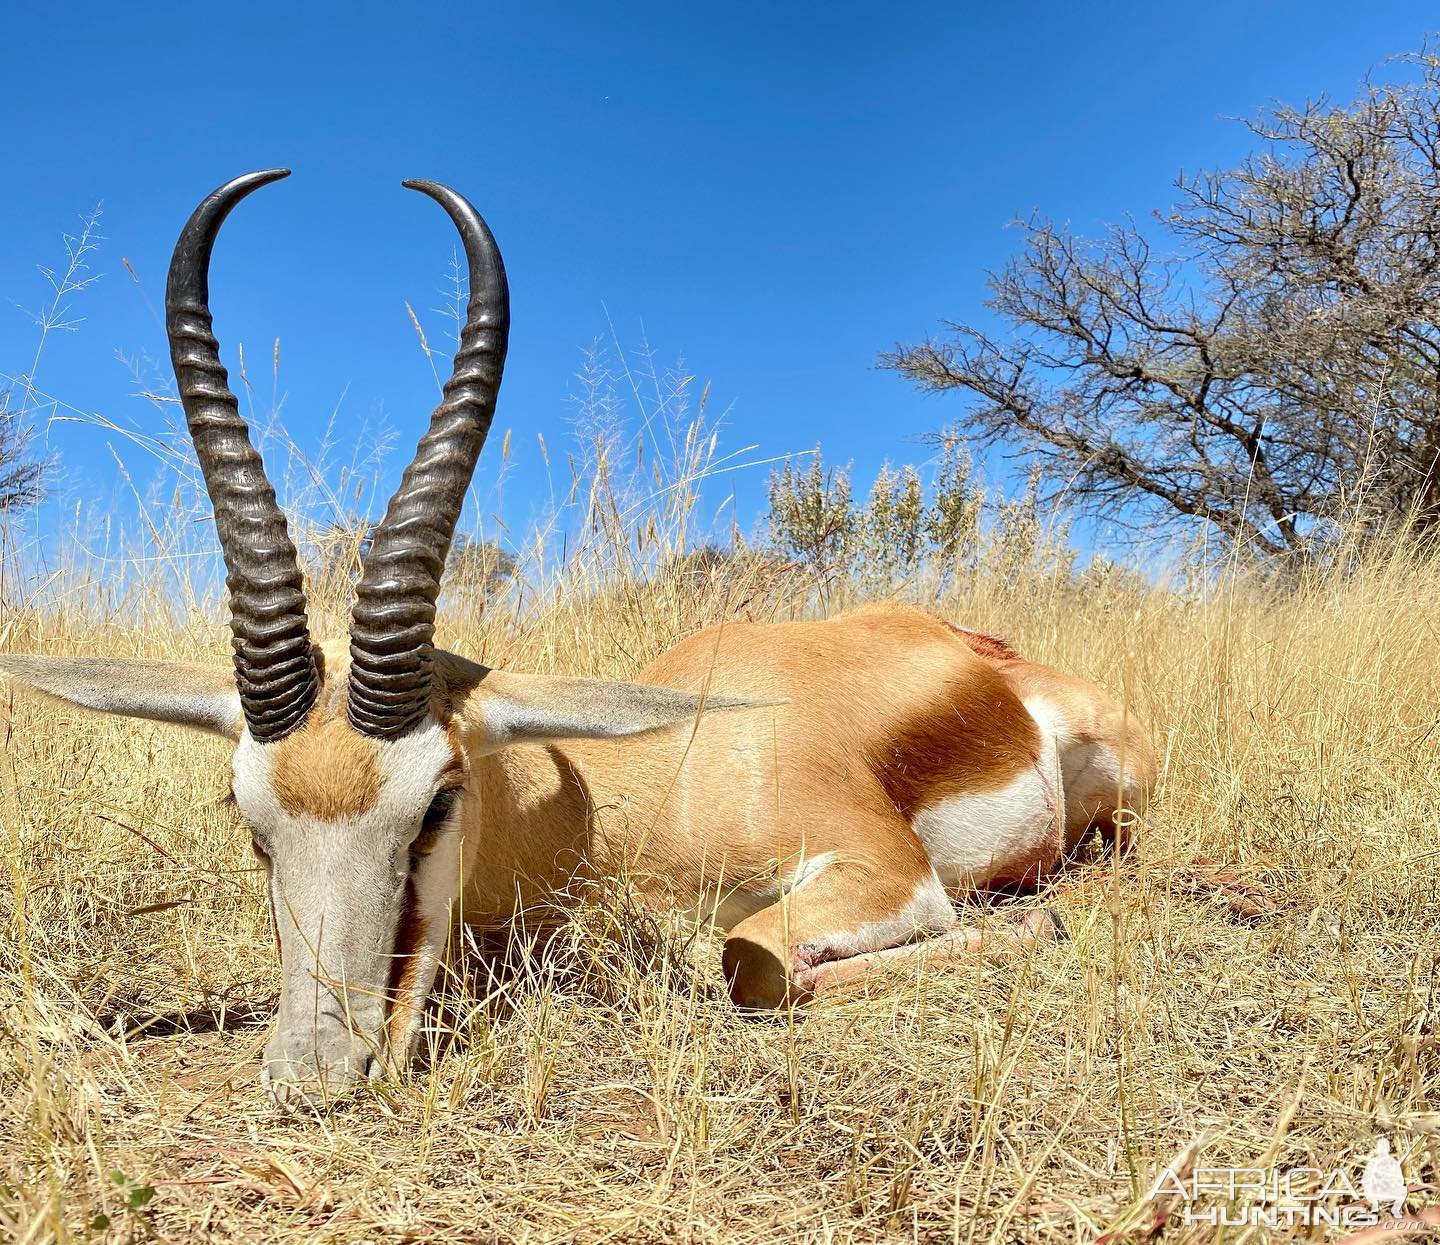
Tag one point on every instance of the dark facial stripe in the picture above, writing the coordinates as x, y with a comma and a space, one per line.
409, 935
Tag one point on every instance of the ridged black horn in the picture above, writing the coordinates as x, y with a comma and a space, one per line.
274, 666
392, 630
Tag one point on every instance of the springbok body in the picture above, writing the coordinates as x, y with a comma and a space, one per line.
902, 769
819, 790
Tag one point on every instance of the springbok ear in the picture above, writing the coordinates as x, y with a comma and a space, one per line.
530, 708
203, 697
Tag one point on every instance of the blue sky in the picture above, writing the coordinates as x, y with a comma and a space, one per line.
774, 191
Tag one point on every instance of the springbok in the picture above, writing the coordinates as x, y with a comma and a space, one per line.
819, 790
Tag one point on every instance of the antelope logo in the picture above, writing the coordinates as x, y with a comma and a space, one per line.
819, 790
1383, 1180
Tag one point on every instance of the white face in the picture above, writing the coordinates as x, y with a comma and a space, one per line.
361, 843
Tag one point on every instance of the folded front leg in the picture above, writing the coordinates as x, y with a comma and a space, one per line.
853, 904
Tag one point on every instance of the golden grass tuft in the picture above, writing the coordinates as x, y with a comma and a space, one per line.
605, 1089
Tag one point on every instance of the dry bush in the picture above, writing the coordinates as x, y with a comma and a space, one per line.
1261, 356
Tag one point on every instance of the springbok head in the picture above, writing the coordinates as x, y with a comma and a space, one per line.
351, 773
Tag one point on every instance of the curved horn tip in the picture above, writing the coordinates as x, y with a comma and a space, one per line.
247, 182
446, 196
189, 268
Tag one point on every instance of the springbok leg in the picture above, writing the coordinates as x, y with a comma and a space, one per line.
852, 913
993, 943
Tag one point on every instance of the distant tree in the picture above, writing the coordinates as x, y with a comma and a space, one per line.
334, 554
1274, 373
702, 567
733, 570
957, 503
22, 473
891, 528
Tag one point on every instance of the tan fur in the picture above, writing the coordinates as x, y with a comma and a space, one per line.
871, 701
919, 762
326, 769
890, 709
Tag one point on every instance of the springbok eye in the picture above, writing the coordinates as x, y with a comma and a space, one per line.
442, 807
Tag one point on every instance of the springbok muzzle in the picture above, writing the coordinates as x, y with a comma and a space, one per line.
313, 1067
331, 1033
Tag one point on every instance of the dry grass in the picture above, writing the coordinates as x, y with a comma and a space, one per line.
607, 1091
